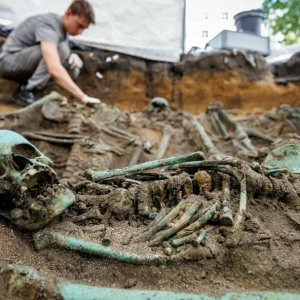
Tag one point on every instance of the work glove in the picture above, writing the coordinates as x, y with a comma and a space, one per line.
75, 61
87, 99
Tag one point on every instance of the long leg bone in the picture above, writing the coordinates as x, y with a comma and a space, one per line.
258, 134
39, 137
100, 175
167, 134
26, 283
208, 144
111, 132
123, 132
241, 134
221, 127
136, 153
46, 240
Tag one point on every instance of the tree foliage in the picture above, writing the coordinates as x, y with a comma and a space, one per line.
284, 17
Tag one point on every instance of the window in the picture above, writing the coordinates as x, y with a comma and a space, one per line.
225, 16
205, 16
204, 33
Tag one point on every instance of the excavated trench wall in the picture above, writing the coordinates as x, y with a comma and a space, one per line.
237, 80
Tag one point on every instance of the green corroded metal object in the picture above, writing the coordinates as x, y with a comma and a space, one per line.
285, 158
44, 240
26, 283
100, 175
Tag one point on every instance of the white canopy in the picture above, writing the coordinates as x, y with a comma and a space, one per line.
151, 29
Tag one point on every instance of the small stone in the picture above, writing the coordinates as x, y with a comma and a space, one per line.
152, 215
16, 214
209, 255
203, 274
50, 191
23, 189
166, 245
220, 239
26, 214
168, 251
131, 282
35, 208
82, 206
40, 198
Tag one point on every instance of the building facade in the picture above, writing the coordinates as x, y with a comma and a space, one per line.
206, 19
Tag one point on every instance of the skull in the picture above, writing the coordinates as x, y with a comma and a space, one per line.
30, 194
158, 107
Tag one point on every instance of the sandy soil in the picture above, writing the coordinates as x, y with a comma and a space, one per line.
265, 257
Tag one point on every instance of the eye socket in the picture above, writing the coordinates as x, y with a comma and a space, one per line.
20, 162
25, 150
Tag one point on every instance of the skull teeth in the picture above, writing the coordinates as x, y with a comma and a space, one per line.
32, 172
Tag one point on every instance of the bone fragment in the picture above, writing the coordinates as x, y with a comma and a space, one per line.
226, 218
94, 213
181, 223
201, 221
75, 124
107, 238
165, 221
177, 242
96, 228
127, 239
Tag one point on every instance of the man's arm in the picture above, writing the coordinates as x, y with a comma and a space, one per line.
60, 74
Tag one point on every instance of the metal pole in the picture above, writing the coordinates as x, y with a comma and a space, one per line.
184, 26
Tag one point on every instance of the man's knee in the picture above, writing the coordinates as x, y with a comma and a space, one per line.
63, 51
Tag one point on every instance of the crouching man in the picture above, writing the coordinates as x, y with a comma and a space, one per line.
36, 53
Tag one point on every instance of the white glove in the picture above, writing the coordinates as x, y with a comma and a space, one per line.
75, 61
87, 99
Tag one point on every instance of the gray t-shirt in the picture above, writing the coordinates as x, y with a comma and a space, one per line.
32, 31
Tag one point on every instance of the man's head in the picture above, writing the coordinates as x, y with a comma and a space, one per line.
78, 17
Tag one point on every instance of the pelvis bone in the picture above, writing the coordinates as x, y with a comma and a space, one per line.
30, 194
